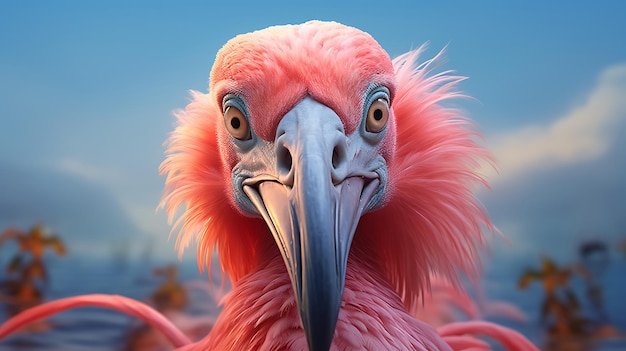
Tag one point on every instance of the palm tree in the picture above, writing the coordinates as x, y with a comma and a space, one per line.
35, 241
26, 276
560, 307
171, 294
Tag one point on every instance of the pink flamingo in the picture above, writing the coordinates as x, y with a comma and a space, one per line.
332, 183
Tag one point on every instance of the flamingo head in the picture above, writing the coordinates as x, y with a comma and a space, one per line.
301, 139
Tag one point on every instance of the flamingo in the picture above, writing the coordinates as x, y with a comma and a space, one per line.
332, 183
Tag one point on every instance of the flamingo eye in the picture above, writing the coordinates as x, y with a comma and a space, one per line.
377, 116
237, 124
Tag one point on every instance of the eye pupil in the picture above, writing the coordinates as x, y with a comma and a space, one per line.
378, 114
235, 123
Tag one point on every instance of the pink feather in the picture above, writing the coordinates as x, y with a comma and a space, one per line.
430, 208
511, 339
120, 303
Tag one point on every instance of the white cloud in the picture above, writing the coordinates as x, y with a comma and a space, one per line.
149, 220
585, 133
141, 212
90, 172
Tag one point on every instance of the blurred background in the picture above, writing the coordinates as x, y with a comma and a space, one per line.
87, 94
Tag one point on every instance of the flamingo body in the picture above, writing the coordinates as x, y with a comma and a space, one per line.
261, 313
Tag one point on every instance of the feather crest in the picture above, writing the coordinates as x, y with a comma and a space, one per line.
431, 222
197, 183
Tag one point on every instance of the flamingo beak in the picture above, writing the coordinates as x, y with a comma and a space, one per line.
312, 209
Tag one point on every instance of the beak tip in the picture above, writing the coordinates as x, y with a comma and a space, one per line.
320, 334
319, 312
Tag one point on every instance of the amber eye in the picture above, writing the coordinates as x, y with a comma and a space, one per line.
236, 124
377, 116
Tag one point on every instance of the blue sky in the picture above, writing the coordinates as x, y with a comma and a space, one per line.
87, 92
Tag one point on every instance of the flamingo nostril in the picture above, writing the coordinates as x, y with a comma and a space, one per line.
339, 160
284, 160
336, 157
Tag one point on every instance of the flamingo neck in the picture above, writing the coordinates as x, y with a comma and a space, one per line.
261, 313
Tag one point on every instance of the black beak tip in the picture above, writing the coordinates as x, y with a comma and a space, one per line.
319, 316
320, 334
